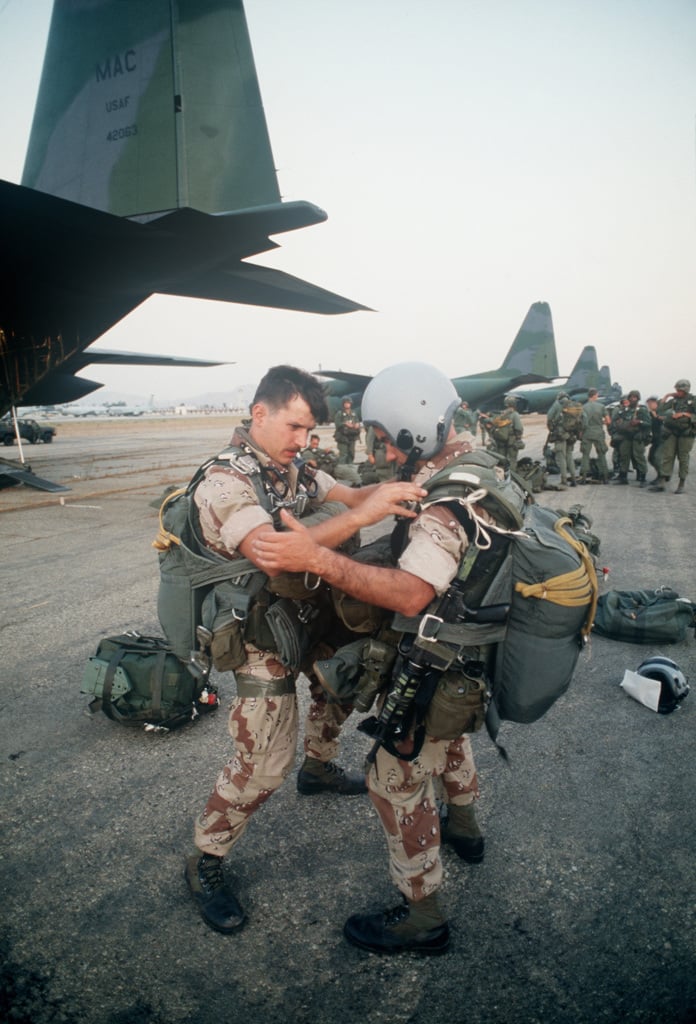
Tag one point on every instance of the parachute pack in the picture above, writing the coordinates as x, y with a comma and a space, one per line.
500, 427
208, 601
530, 559
571, 418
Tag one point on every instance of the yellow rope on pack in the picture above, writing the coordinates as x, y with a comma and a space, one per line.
164, 539
571, 589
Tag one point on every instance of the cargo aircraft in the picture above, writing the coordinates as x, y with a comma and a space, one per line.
149, 169
531, 359
585, 374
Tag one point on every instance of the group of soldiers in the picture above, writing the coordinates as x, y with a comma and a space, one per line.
656, 434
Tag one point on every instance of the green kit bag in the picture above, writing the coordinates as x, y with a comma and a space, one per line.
656, 616
137, 680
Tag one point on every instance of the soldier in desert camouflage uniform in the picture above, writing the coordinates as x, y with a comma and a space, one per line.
411, 407
264, 718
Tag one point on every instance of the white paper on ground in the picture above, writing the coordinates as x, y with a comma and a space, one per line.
645, 691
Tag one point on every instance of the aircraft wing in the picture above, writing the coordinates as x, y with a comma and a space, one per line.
61, 386
115, 358
355, 381
68, 273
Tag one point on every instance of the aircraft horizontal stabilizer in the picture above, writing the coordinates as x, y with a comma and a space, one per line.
263, 286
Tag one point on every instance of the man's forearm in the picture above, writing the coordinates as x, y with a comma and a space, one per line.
393, 589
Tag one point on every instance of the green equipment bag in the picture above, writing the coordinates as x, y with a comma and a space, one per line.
657, 616
553, 602
137, 680
531, 474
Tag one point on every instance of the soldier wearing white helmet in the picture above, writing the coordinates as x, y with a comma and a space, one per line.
678, 411
411, 406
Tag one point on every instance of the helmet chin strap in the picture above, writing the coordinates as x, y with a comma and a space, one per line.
409, 467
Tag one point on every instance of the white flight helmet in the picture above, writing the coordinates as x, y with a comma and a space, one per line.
413, 403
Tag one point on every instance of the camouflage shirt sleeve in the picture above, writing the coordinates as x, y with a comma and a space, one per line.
228, 509
436, 546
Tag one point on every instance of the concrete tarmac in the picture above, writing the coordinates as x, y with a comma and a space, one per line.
582, 912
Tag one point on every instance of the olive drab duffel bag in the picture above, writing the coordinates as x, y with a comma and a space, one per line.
137, 680
656, 616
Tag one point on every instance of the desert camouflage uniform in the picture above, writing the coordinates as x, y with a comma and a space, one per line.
263, 721
403, 792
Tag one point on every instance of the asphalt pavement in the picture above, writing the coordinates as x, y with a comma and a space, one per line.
582, 911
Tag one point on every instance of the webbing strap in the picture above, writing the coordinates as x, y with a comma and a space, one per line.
107, 707
157, 679
571, 589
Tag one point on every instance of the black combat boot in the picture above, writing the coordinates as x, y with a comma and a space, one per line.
327, 777
417, 927
659, 484
216, 901
459, 829
622, 479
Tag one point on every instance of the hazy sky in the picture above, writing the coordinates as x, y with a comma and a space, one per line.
474, 156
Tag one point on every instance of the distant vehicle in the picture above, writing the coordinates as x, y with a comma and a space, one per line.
29, 430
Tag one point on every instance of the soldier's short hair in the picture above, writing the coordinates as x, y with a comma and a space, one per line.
281, 384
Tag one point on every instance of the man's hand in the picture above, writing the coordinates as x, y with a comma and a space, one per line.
390, 499
291, 550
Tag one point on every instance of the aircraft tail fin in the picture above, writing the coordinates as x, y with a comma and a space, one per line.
585, 373
149, 107
534, 349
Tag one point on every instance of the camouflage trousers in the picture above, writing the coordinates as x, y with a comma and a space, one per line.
403, 794
265, 732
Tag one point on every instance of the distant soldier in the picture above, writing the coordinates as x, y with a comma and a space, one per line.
652, 403
564, 422
631, 430
505, 430
594, 419
678, 411
465, 419
327, 460
320, 458
375, 469
347, 432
